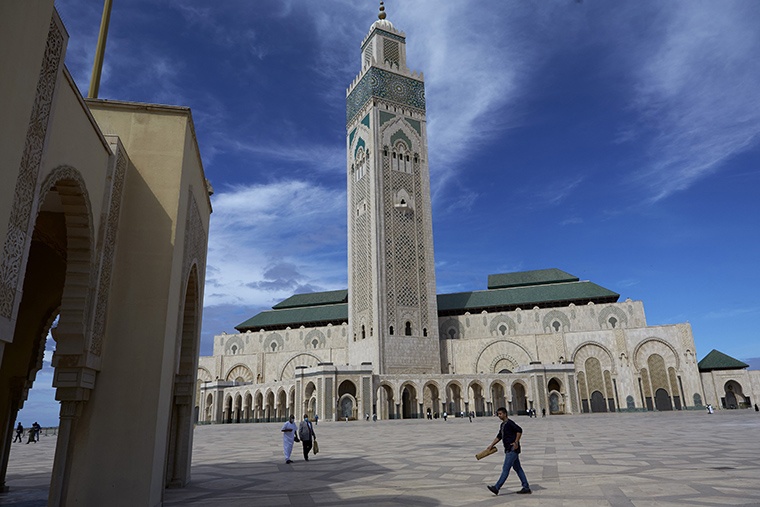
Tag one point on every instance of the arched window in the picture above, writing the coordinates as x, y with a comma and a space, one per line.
424, 331
408, 329
391, 330
364, 333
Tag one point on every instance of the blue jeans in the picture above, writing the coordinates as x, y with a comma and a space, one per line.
512, 460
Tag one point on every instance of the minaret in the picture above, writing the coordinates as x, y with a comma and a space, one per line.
393, 313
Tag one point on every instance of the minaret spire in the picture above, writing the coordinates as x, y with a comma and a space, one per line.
381, 15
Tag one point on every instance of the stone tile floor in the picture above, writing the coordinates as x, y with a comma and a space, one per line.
649, 459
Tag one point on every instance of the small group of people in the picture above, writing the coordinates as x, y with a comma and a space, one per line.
303, 433
34, 433
532, 412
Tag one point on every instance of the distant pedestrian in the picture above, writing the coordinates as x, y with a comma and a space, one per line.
510, 434
374, 417
306, 434
31, 436
445, 415
20, 432
429, 415
37, 431
316, 419
543, 412
756, 409
289, 436
469, 415
366, 417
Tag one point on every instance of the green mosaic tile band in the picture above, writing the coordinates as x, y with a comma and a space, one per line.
385, 85
389, 35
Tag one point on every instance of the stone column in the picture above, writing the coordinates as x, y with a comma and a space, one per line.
70, 413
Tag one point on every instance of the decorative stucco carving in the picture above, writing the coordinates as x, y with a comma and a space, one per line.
108, 251
18, 234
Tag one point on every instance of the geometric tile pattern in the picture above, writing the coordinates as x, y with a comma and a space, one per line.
643, 459
385, 85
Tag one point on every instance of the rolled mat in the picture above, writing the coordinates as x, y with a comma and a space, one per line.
487, 452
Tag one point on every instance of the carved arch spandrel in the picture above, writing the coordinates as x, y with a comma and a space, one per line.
516, 354
592, 349
654, 345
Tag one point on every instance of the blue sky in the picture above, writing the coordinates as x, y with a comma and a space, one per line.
618, 141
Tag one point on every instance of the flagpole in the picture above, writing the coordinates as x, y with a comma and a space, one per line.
100, 50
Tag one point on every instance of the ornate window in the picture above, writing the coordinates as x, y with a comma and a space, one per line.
408, 329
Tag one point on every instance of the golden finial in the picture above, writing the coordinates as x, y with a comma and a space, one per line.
382, 11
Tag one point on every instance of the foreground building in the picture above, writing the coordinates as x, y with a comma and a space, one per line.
104, 214
391, 346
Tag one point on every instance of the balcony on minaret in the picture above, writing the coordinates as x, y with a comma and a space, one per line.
384, 47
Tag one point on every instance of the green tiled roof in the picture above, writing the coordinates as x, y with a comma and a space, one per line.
523, 278
296, 317
717, 360
314, 299
558, 294
544, 288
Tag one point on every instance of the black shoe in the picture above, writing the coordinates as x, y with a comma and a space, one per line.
288, 461
493, 490
524, 491
307, 459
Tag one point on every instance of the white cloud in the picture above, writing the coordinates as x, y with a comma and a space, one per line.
697, 87
323, 158
269, 240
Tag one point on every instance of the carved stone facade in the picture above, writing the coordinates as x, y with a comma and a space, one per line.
389, 346
90, 231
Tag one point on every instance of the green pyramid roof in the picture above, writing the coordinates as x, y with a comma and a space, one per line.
717, 360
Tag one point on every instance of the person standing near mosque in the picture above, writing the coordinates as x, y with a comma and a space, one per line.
509, 433
306, 434
288, 437
19, 433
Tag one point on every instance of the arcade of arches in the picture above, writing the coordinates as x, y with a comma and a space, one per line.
104, 235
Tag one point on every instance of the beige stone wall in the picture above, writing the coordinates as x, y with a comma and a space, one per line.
123, 220
715, 385
266, 356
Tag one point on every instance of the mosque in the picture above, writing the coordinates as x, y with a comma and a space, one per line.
391, 346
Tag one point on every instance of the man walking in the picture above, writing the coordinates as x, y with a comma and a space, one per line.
288, 437
509, 433
19, 432
306, 434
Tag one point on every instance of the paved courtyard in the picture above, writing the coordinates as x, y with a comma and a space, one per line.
676, 458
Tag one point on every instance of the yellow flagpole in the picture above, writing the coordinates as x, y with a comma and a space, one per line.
100, 50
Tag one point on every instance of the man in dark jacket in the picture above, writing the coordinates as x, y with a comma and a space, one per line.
19, 433
306, 434
509, 433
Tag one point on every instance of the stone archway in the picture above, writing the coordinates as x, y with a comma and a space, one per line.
55, 281
598, 403
477, 399
519, 403
431, 399
385, 402
662, 400
734, 395
498, 397
180, 438
409, 402
554, 400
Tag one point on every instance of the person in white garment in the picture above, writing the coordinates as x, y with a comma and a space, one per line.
288, 437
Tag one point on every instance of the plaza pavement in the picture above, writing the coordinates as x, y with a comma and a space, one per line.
649, 459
